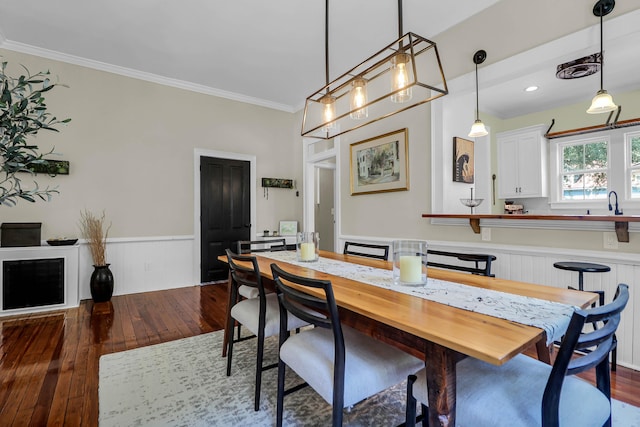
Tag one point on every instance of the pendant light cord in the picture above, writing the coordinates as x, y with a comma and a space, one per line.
601, 49
400, 19
326, 43
477, 90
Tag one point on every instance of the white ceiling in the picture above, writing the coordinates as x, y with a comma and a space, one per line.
271, 53
502, 84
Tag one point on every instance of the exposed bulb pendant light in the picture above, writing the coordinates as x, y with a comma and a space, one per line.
328, 101
359, 110
602, 102
478, 129
400, 64
364, 94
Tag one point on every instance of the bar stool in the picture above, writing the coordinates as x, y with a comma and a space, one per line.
589, 267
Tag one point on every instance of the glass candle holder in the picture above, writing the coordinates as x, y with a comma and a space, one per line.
410, 262
307, 246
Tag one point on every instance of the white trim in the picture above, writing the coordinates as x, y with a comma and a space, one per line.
141, 75
200, 152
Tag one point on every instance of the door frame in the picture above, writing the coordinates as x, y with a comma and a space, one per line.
312, 161
201, 152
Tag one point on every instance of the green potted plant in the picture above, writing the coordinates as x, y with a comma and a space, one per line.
23, 113
95, 231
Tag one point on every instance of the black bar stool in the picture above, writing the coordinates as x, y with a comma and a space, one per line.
590, 267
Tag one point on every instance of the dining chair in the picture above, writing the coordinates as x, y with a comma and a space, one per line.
527, 392
266, 245
248, 246
259, 315
367, 250
341, 364
478, 268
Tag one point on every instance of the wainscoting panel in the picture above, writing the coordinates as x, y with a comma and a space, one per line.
535, 265
143, 265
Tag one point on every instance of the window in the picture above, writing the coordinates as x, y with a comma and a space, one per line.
633, 166
585, 170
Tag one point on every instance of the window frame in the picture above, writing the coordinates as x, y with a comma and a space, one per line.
618, 170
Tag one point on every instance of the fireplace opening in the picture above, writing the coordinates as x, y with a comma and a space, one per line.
32, 283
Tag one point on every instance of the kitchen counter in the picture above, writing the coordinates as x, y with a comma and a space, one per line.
621, 221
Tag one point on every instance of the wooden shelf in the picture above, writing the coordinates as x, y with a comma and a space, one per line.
621, 221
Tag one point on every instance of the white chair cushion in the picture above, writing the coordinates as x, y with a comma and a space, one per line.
370, 365
247, 312
248, 291
511, 395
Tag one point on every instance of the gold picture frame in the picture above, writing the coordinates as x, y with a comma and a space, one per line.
463, 160
380, 164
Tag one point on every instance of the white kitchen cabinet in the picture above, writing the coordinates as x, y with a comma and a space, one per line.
523, 163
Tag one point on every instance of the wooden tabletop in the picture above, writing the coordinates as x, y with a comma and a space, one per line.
481, 336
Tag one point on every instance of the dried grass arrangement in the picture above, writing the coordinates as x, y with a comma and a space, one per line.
94, 231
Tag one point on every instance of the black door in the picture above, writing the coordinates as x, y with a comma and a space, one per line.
225, 212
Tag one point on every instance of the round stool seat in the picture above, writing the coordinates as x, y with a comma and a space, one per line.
585, 267
582, 267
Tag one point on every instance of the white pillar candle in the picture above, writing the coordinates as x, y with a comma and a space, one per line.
307, 251
410, 269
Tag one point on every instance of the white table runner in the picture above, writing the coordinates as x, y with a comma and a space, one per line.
551, 316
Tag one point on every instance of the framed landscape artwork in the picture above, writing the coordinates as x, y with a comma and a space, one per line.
288, 228
463, 160
380, 164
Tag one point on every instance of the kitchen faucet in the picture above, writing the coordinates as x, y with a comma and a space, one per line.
617, 212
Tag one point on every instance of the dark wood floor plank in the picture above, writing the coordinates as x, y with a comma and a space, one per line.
59, 374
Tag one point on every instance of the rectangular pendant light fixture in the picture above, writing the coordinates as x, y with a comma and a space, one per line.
405, 74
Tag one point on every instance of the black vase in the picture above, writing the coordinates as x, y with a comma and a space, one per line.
101, 283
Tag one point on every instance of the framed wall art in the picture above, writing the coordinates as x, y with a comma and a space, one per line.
463, 160
380, 164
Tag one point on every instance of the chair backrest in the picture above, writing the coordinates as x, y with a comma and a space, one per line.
598, 342
269, 245
367, 250
320, 311
295, 296
244, 275
480, 269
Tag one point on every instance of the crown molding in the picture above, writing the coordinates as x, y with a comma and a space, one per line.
140, 75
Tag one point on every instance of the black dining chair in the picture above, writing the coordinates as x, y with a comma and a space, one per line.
266, 245
366, 250
260, 315
527, 392
342, 365
249, 246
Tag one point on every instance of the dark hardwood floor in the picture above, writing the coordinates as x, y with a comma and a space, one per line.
49, 362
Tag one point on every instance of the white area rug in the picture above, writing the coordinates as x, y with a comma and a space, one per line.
184, 383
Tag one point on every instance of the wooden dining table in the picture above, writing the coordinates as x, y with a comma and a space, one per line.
439, 333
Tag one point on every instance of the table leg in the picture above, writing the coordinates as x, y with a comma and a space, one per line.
227, 320
544, 351
441, 382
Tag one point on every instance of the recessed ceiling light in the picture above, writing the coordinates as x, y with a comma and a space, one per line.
531, 89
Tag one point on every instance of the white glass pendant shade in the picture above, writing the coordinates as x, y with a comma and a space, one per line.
602, 103
358, 98
478, 129
400, 65
328, 112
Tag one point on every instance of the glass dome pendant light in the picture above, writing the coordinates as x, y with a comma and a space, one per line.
602, 102
478, 129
